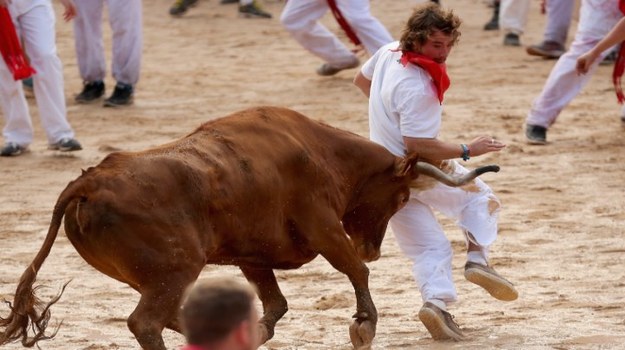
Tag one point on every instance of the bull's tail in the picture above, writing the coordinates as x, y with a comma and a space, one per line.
28, 311
451, 180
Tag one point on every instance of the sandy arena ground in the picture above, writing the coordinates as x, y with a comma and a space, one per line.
561, 228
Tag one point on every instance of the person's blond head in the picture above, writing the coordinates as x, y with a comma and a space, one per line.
424, 21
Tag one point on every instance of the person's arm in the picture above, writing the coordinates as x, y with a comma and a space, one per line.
362, 83
615, 36
434, 149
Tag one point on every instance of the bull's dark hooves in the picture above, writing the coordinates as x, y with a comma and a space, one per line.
486, 169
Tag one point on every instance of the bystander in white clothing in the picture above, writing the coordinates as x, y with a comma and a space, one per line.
597, 17
34, 21
301, 19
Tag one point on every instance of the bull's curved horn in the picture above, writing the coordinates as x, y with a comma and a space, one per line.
450, 180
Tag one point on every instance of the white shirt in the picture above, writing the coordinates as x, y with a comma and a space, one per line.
402, 101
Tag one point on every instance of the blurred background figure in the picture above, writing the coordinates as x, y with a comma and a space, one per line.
597, 17
301, 19
34, 22
126, 23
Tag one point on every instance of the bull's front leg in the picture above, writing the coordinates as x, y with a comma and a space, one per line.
274, 303
340, 253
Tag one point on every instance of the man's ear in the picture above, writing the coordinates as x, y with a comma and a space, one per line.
242, 333
405, 165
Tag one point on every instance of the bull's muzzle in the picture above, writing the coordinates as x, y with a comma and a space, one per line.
368, 252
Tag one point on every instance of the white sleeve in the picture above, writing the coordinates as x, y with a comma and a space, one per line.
369, 66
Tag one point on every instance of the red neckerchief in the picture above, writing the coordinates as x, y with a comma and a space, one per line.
619, 64
10, 48
438, 71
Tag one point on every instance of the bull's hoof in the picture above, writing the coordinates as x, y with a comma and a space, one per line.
362, 334
263, 333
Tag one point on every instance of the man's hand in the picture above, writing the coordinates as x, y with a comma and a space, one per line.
70, 9
483, 145
585, 61
4, 3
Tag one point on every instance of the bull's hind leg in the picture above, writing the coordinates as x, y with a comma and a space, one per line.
274, 303
157, 309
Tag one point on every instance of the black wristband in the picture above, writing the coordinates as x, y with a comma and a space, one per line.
465, 152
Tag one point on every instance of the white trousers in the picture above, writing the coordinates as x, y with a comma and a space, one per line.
34, 22
597, 17
559, 13
513, 15
423, 241
301, 19
125, 19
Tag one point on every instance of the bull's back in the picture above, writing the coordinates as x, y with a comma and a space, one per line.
232, 188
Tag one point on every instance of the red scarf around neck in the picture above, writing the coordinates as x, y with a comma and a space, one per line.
619, 65
11, 49
438, 71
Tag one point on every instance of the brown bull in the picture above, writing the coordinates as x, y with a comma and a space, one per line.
263, 189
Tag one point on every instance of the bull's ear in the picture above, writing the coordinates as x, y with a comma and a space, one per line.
404, 166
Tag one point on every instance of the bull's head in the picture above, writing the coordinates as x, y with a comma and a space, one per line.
381, 195
374, 203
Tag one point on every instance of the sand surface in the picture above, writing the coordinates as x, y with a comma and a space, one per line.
561, 228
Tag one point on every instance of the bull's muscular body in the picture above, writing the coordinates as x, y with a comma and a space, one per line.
263, 189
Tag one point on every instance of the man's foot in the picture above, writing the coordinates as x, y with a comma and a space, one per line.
12, 149
536, 135
253, 10
546, 49
122, 96
493, 24
180, 7
487, 278
91, 91
328, 69
511, 39
66, 145
439, 323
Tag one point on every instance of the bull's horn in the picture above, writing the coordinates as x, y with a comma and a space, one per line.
450, 180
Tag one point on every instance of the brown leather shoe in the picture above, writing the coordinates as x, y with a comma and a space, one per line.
486, 277
328, 69
439, 323
547, 49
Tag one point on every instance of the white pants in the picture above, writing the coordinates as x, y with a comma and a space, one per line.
513, 15
423, 241
301, 19
597, 17
34, 22
126, 23
559, 13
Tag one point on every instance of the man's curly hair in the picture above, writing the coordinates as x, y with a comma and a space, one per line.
424, 21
